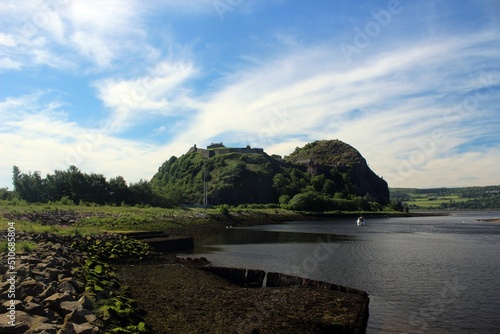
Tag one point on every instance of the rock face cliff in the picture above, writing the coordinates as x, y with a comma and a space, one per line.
325, 155
369, 184
248, 175
232, 177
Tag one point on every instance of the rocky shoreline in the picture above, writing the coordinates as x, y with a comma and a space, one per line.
60, 288
47, 296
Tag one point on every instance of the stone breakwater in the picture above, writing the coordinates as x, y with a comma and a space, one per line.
254, 278
58, 289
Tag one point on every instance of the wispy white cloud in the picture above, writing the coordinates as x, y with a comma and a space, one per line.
66, 34
159, 92
404, 96
36, 136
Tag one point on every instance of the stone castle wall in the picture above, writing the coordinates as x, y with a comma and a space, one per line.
208, 153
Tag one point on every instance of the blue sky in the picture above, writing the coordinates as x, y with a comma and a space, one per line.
118, 86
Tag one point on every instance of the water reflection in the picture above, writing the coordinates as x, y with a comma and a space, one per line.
245, 236
430, 274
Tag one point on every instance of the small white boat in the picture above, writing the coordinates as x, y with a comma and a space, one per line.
361, 221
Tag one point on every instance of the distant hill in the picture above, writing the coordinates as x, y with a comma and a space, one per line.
473, 198
325, 170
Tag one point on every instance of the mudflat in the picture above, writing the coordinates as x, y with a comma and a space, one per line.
185, 299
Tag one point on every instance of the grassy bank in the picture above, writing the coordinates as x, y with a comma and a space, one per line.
197, 222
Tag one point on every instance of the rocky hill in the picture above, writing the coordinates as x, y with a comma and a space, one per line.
325, 155
235, 176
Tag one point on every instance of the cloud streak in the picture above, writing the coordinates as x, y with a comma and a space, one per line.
413, 105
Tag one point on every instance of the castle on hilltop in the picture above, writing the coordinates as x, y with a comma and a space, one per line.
218, 148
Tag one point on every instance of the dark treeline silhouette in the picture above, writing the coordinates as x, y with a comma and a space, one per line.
78, 187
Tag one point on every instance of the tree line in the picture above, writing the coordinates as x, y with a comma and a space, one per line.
78, 187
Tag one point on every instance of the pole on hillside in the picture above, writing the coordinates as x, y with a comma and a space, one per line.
205, 186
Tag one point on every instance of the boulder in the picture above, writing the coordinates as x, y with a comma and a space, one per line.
31, 288
77, 316
43, 328
40, 275
54, 301
86, 302
67, 328
23, 322
53, 273
50, 289
67, 287
84, 328
34, 309
4, 306
70, 306
19, 328
4, 286
30, 299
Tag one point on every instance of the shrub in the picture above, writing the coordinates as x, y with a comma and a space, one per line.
284, 199
224, 209
309, 201
65, 200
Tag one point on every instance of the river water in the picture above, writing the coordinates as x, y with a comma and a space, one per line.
423, 274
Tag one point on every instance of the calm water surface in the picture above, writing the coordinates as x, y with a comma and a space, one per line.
423, 275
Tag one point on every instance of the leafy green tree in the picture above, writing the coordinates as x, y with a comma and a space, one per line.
28, 186
96, 188
141, 192
118, 190
58, 185
396, 206
362, 204
318, 182
5, 194
328, 188
281, 184
16, 177
78, 186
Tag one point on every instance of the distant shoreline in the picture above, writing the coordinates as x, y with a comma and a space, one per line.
215, 223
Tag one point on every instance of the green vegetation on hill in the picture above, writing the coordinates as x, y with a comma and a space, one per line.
239, 178
475, 198
334, 156
246, 176
333, 153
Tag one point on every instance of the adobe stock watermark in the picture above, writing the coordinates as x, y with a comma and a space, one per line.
11, 273
451, 119
435, 309
76, 153
364, 35
276, 120
222, 6
263, 309
323, 250
41, 18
